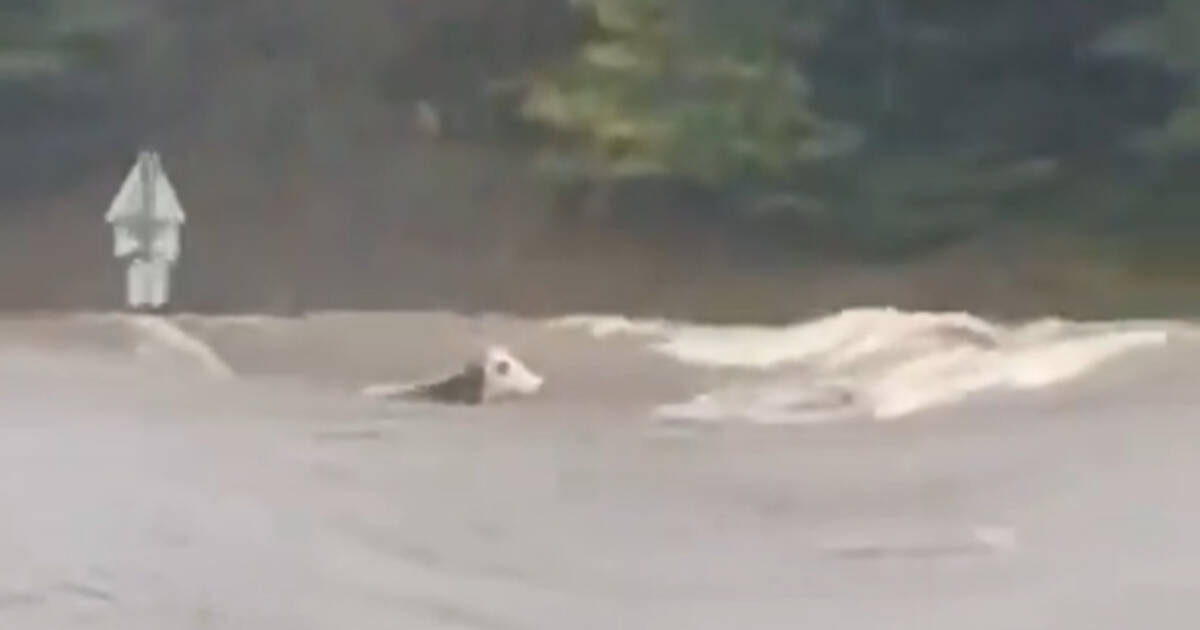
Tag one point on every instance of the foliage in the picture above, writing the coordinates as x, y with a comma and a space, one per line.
895, 113
661, 90
43, 38
893, 120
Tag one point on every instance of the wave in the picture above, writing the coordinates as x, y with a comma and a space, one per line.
880, 362
123, 340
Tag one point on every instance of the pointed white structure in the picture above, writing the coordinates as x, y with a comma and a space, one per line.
147, 219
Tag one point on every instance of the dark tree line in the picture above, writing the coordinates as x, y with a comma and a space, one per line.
876, 127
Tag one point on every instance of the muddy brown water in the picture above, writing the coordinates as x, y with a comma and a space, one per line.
140, 493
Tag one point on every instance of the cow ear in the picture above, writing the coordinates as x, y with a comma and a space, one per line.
474, 372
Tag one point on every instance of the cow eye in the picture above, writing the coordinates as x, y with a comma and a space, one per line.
502, 368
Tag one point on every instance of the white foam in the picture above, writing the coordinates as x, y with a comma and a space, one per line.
602, 326
954, 374
884, 363
165, 341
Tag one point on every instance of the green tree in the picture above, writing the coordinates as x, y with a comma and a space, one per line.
671, 87
44, 38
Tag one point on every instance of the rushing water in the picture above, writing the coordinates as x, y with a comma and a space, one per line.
220, 473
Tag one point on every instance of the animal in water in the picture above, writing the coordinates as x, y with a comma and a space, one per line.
495, 376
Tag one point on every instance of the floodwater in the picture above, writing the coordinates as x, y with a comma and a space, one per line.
204, 472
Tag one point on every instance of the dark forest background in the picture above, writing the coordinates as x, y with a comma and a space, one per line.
757, 159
